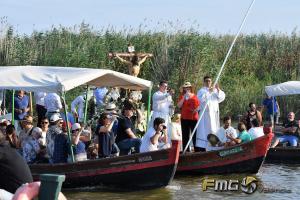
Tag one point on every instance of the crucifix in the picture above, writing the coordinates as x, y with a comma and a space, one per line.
132, 59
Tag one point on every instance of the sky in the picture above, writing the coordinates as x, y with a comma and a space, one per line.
214, 16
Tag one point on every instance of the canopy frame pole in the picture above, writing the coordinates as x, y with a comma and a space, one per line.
86, 104
13, 108
219, 74
273, 114
31, 103
149, 104
63, 96
4, 102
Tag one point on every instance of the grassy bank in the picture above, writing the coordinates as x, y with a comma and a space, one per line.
256, 60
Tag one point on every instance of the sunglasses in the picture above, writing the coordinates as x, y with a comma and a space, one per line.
44, 122
75, 130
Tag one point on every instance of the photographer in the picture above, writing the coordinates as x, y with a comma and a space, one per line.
154, 136
162, 104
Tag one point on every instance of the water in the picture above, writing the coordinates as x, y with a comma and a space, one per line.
272, 177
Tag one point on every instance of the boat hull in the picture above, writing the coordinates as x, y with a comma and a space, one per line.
284, 155
143, 170
244, 158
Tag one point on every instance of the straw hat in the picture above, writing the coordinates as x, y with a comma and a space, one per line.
186, 84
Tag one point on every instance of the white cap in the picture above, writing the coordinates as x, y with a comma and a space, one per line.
76, 126
110, 107
55, 117
3, 120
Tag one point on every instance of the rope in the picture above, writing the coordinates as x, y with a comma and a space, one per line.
220, 72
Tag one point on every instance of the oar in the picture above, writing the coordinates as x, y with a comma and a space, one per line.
220, 72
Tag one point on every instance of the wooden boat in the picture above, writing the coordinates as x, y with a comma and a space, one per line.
243, 158
285, 155
137, 171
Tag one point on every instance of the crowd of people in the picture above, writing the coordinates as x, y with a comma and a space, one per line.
115, 133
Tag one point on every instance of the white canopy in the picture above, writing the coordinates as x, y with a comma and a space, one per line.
282, 89
59, 79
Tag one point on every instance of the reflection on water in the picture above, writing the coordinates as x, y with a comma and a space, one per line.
190, 187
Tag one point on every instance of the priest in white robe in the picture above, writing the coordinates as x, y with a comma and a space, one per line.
210, 121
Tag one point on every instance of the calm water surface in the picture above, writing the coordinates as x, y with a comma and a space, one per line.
276, 177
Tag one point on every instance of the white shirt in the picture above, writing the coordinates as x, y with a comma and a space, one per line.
1, 96
161, 102
221, 133
78, 102
146, 141
52, 102
40, 98
256, 132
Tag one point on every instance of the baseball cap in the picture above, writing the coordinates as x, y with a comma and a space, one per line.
76, 126
55, 117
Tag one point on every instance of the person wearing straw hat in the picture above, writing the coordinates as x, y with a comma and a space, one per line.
188, 104
210, 121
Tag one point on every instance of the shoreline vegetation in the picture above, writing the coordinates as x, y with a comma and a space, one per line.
257, 60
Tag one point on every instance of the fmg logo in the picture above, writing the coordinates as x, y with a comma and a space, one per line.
247, 185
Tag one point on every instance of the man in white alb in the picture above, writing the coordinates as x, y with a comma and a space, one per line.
210, 121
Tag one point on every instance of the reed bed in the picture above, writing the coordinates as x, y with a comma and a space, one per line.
184, 55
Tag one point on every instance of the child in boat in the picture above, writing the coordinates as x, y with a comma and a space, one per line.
243, 135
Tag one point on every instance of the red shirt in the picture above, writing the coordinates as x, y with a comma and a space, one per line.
188, 107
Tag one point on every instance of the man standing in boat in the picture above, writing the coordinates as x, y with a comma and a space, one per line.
162, 105
21, 108
52, 104
252, 114
272, 107
210, 121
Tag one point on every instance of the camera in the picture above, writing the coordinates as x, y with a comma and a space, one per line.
164, 127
